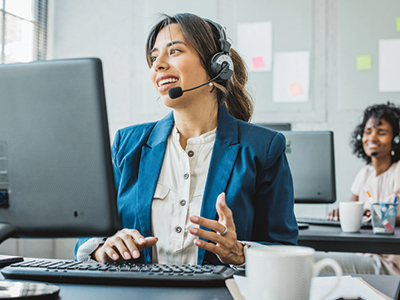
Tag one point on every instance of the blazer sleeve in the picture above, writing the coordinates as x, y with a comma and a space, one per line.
117, 176
274, 219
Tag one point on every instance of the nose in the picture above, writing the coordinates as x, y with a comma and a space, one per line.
373, 136
161, 63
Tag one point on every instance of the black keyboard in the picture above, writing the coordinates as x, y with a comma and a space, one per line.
326, 222
118, 274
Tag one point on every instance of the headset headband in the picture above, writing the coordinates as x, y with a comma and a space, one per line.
224, 44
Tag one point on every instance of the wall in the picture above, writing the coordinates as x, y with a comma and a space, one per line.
116, 32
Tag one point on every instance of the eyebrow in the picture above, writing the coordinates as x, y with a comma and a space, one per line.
377, 127
169, 45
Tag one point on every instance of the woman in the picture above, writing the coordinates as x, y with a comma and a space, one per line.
194, 184
376, 141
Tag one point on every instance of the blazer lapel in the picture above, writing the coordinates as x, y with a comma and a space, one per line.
223, 158
149, 170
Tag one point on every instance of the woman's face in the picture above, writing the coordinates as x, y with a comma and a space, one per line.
377, 138
175, 63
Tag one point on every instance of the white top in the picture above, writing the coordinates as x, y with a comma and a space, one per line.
179, 195
383, 188
176, 198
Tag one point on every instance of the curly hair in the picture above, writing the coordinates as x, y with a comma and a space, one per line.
389, 112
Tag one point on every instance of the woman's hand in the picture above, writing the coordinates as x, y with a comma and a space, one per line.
124, 245
334, 214
227, 248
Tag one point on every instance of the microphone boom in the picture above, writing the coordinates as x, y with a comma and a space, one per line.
176, 92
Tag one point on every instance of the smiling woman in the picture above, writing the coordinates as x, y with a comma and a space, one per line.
380, 122
173, 61
377, 141
201, 185
195, 34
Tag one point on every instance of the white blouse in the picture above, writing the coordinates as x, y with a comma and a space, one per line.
179, 195
383, 188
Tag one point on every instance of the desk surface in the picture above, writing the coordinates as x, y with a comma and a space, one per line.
330, 238
389, 285
386, 284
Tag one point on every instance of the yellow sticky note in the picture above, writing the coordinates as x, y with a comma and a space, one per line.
363, 62
398, 24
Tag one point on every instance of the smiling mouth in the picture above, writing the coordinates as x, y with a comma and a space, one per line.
166, 81
372, 146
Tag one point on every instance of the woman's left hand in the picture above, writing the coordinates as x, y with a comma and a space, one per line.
226, 247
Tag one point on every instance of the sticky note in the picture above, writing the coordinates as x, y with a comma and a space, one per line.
363, 62
398, 24
257, 62
254, 43
389, 65
295, 89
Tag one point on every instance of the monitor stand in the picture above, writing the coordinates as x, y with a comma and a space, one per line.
6, 231
23, 289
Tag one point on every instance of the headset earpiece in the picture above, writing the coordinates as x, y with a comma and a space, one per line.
217, 63
221, 59
396, 139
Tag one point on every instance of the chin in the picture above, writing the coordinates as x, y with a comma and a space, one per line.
167, 101
179, 102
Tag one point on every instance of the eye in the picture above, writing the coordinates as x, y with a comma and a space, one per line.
153, 58
174, 50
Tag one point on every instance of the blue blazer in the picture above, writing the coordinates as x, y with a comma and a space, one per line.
248, 163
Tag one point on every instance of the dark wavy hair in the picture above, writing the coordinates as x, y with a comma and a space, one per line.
204, 39
389, 112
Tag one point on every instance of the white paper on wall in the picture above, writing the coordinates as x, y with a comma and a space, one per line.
255, 45
389, 65
291, 78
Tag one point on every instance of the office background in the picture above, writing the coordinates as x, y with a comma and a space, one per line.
335, 32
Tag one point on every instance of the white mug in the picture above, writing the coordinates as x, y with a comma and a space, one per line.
350, 215
284, 272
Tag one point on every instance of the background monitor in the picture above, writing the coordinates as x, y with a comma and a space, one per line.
312, 162
277, 126
56, 176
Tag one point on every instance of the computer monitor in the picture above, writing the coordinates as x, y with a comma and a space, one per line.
312, 163
56, 176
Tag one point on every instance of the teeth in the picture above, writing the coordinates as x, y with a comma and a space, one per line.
168, 80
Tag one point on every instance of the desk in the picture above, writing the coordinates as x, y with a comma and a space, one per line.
331, 238
387, 284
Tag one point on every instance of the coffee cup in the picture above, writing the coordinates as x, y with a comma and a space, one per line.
284, 272
350, 215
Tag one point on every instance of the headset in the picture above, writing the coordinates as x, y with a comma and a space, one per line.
221, 59
220, 66
396, 141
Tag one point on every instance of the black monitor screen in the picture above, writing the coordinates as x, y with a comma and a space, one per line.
312, 163
56, 177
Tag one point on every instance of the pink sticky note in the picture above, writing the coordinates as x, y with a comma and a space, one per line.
295, 89
258, 62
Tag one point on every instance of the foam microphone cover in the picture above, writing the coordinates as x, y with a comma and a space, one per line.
175, 92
